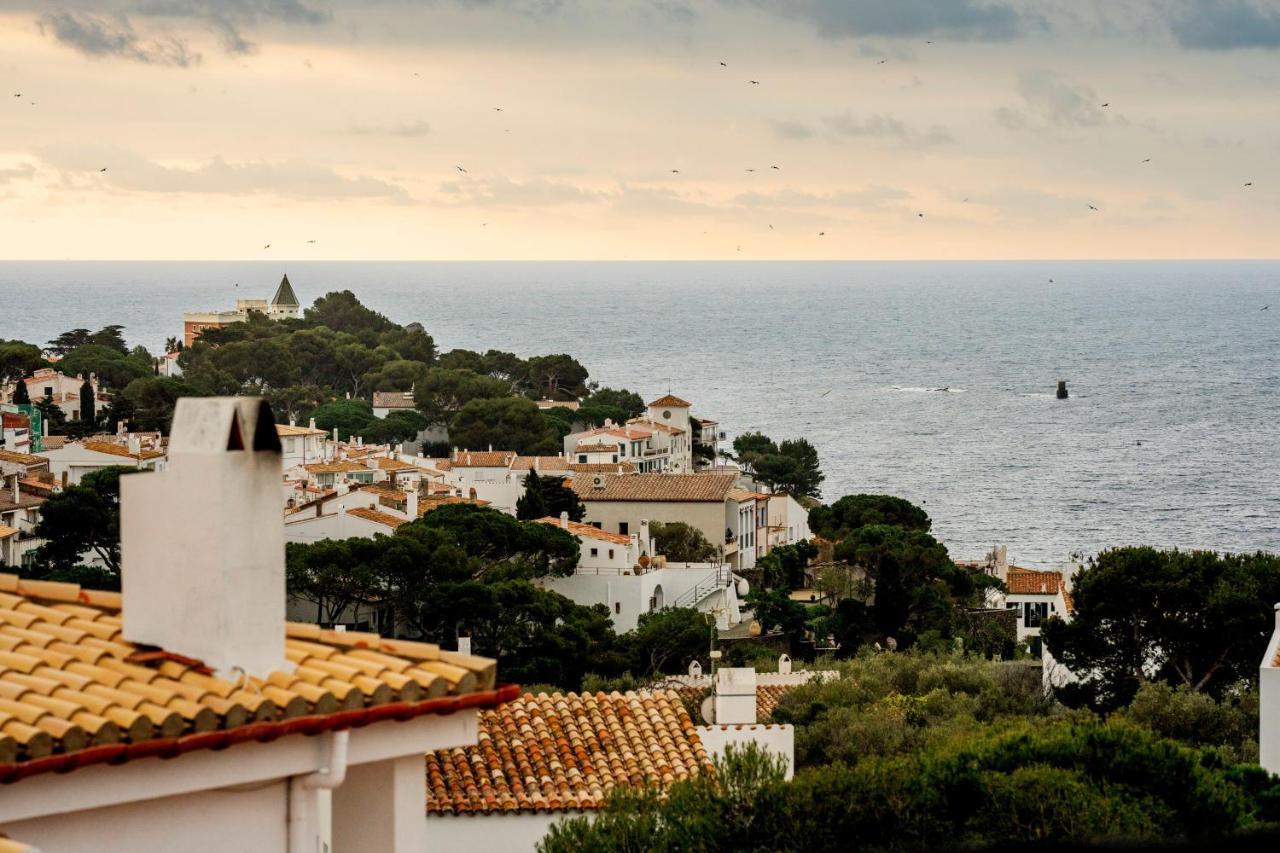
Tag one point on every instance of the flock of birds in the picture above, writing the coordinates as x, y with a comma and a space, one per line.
723, 64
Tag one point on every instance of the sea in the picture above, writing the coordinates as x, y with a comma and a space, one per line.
934, 381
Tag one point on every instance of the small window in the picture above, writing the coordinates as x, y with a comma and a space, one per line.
617, 607
610, 553
615, 457
595, 524
623, 528
582, 458
595, 552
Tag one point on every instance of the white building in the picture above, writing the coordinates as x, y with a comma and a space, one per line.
302, 445
282, 306
386, 402
659, 441
19, 515
1036, 596
69, 463
173, 716
1269, 703
63, 389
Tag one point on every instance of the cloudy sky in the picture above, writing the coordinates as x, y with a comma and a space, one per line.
225, 125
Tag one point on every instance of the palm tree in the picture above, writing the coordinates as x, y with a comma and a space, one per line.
171, 345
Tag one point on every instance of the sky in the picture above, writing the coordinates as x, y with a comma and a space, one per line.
603, 129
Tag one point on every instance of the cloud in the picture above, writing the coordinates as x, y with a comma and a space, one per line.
504, 192
408, 130
1227, 25
790, 129
100, 36
881, 126
968, 20
290, 179
1056, 101
874, 197
20, 172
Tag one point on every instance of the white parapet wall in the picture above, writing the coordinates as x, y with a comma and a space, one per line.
1269, 703
778, 740
511, 833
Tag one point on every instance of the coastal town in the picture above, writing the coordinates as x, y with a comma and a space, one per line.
339, 623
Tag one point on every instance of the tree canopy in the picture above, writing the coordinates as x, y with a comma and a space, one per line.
682, 543
851, 512
79, 520
1195, 619
791, 467
548, 496
510, 423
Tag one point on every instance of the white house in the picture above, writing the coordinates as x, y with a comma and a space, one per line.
173, 717
1269, 703
1036, 596
788, 522
301, 445
70, 462
386, 402
19, 515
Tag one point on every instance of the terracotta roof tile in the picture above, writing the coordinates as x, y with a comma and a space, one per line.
393, 400
701, 488
114, 449
371, 514
596, 448
556, 752
484, 458
602, 468
1031, 582
27, 459
671, 401
545, 463
285, 430
577, 528
338, 466
767, 698
69, 681
386, 464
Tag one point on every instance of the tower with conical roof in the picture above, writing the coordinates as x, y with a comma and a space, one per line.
284, 305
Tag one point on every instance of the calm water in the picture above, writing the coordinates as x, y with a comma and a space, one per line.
1176, 356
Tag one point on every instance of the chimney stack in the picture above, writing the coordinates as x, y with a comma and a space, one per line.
411, 508
564, 520
202, 546
735, 697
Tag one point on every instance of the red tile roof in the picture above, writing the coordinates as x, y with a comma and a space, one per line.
671, 401
577, 528
383, 518
393, 400
555, 752
483, 458
74, 691
696, 488
767, 698
120, 450
1031, 582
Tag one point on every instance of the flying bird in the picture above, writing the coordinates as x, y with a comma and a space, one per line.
724, 65
776, 167
1051, 281
770, 226
311, 241
749, 170
1091, 207
460, 169
1148, 160
882, 62
1249, 184
103, 169
1104, 106
1264, 307
921, 215
754, 82
18, 95
820, 396
675, 171
497, 109
268, 246
822, 233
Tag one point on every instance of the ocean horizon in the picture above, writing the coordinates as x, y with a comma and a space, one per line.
932, 380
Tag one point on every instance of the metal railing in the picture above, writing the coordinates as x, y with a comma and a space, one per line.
718, 579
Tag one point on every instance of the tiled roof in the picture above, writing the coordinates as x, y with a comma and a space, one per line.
386, 464
656, 487
370, 514
767, 698
393, 400
483, 458
441, 465
602, 468
74, 692
6, 532
289, 429
120, 450
671, 401
545, 463
596, 448
556, 752
24, 501
741, 495
648, 423
429, 502
27, 459
53, 442
577, 528
338, 466
1030, 582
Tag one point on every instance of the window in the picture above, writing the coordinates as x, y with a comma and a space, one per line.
615, 457
617, 607
1034, 613
595, 552
610, 553
595, 524
624, 528
48, 390
582, 458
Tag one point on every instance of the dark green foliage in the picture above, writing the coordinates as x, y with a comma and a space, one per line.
626, 404
399, 425
88, 403
666, 640
510, 423
114, 368
21, 396
784, 567
442, 392
548, 496
854, 511
682, 543
351, 417
152, 400
1195, 718
67, 341
342, 312
18, 360
1191, 618
790, 467
55, 420
81, 519
556, 377
916, 585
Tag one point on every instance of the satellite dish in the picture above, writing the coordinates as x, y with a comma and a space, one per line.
708, 710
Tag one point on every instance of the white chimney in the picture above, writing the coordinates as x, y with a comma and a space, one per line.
202, 546
411, 507
313, 425
735, 697
464, 645
564, 520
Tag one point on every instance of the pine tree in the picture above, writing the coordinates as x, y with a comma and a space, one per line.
20, 394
